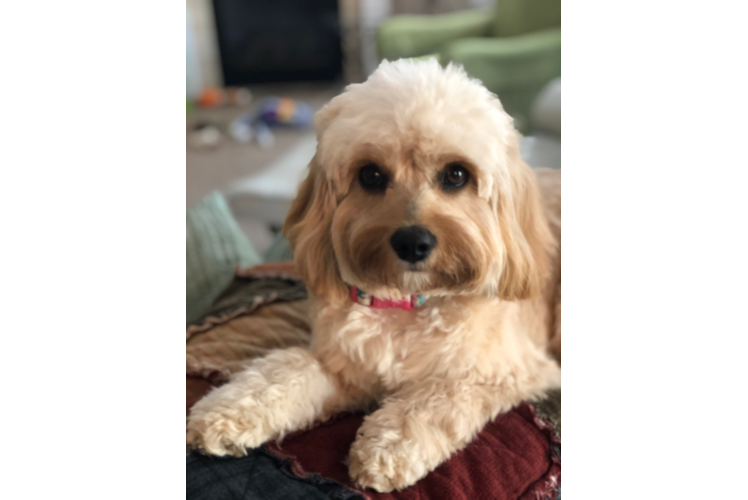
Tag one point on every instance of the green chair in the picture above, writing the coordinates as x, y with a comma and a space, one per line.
514, 49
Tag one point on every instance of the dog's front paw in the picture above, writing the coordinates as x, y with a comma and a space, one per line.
220, 434
385, 464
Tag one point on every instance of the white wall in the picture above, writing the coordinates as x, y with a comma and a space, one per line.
200, 13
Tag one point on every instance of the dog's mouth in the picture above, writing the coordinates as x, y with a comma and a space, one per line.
415, 278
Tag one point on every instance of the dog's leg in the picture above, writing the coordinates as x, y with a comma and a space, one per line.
285, 391
419, 427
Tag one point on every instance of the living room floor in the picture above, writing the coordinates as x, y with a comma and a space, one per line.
215, 169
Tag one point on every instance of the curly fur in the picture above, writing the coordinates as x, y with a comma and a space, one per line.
487, 337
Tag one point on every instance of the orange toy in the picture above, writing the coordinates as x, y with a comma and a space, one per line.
211, 97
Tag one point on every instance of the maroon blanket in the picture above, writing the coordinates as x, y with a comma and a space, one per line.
510, 459
515, 456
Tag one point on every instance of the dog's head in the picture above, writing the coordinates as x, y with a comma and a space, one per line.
417, 187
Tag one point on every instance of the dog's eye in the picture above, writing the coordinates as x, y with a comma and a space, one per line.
372, 178
454, 176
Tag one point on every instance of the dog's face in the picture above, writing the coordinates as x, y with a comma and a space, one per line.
417, 187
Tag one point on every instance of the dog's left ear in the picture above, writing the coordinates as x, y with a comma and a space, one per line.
524, 228
309, 221
307, 227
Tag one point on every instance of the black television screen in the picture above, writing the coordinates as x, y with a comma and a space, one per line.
278, 40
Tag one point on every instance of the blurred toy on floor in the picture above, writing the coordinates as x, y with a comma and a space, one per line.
270, 112
254, 125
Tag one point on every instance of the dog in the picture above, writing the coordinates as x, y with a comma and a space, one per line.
433, 265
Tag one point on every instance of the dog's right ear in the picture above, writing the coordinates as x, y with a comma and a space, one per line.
307, 228
525, 231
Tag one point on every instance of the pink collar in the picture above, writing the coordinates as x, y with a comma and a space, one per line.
366, 299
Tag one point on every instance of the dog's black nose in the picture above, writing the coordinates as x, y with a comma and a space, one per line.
413, 243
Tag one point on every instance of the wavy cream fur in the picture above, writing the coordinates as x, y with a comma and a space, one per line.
481, 342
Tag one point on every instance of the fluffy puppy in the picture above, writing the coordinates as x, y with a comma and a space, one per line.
433, 272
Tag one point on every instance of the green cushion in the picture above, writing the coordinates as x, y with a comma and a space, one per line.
514, 68
425, 58
415, 36
517, 17
215, 246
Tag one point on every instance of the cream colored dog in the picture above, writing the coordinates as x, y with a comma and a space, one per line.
434, 274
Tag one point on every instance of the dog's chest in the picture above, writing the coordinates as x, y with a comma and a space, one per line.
391, 347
